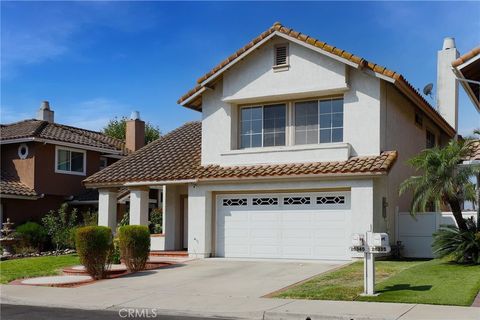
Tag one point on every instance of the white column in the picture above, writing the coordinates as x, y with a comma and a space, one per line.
199, 222
107, 208
139, 206
171, 203
361, 209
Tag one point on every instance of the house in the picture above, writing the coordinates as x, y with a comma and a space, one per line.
300, 145
43, 163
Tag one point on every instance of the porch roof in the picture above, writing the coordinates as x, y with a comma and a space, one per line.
10, 185
176, 157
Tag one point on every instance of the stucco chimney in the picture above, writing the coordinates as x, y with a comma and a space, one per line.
44, 113
135, 132
447, 84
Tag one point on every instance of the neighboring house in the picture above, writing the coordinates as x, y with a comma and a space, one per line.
301, 144
43, 164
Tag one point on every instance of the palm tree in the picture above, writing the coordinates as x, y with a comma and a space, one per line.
443, 180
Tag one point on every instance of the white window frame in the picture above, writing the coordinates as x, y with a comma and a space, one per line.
262, 106
84, 173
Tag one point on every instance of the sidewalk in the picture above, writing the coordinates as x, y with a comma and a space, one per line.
232, 307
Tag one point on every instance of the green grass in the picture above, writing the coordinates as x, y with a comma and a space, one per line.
34, 267
429, 282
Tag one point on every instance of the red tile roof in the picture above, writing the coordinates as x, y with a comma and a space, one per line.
466, 57
176, 156
58, 132
400, 82
11, 185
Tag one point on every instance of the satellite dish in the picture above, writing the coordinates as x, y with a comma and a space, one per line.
427, 90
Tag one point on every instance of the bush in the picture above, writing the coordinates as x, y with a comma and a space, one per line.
90, 218
59, 226
33, 234
115, 257
460, 246
125, 220
94, 247
155, 223
134, 246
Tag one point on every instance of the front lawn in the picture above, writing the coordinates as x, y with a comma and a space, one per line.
35, 267
430, 282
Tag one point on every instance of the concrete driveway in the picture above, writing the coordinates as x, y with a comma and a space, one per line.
232, 278
210, 286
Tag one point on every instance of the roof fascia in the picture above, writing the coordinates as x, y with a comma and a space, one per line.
467, 88
61, 143
193, 97
137, 183
12, 196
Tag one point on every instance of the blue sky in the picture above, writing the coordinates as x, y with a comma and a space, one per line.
97, 60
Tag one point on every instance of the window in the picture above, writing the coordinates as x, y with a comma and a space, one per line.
262, 126
70, 161
431, 140
418, 119
281, 55
103, 163
319, 121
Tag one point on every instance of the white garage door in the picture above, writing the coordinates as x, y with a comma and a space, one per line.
286, 225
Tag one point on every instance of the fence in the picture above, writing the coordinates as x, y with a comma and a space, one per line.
416, 233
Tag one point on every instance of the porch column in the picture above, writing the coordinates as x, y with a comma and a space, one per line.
362, 207
199, 222
107, 208
170, 211
139, 206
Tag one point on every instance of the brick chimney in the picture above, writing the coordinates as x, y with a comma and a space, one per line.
135, 132
447, 84
44, 113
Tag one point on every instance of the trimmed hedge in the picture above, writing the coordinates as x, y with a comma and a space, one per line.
134, 246
33, 234
94, 247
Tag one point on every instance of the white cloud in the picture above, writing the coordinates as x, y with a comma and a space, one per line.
93, 114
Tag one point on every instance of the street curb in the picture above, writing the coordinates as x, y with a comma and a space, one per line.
272, 315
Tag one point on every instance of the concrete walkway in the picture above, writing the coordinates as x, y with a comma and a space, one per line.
220, 288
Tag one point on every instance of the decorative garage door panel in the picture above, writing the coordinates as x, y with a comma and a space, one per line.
289, 226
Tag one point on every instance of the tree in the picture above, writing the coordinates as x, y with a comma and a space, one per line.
116, 128
443, 181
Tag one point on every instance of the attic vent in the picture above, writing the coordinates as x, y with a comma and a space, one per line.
281, 55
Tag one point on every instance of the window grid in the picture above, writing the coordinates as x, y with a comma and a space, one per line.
318, 121
265, 201
263, 126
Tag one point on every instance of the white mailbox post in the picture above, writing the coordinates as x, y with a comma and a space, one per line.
370, 244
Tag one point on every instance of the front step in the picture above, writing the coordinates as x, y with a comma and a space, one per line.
163, 253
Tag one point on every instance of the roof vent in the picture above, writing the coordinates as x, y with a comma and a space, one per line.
44, 113
281, 55
448, 43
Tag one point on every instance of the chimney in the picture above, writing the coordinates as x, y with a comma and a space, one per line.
447, 84
44, 113
135, 132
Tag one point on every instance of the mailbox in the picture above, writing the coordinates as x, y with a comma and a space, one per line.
380, 240
358, 240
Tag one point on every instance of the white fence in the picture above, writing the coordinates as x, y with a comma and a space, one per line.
416, 233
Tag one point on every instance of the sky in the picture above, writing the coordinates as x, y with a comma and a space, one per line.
98, 60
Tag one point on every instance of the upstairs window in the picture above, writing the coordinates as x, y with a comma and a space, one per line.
262, 126
281, 55
431, 140
319, 121
71, 161
103, 163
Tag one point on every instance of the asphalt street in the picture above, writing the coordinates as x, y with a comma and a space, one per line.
19, 312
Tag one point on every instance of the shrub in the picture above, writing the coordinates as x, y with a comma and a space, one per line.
134, 246
90, 218
125, 220
94, 247
462, 246
115, 257
155, 223
59, 226
33, 234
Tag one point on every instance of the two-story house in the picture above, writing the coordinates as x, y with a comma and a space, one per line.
300, 145
43, 163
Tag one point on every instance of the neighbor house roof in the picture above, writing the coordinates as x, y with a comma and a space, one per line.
475, 155
46, 131
176, 156
192, 99
467, 69
11, 186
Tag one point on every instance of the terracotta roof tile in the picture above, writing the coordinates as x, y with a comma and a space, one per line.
466, 57
11, 185
58, 132
475, 154
403, 85
177, 156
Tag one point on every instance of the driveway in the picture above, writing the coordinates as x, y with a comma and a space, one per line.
203, 286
